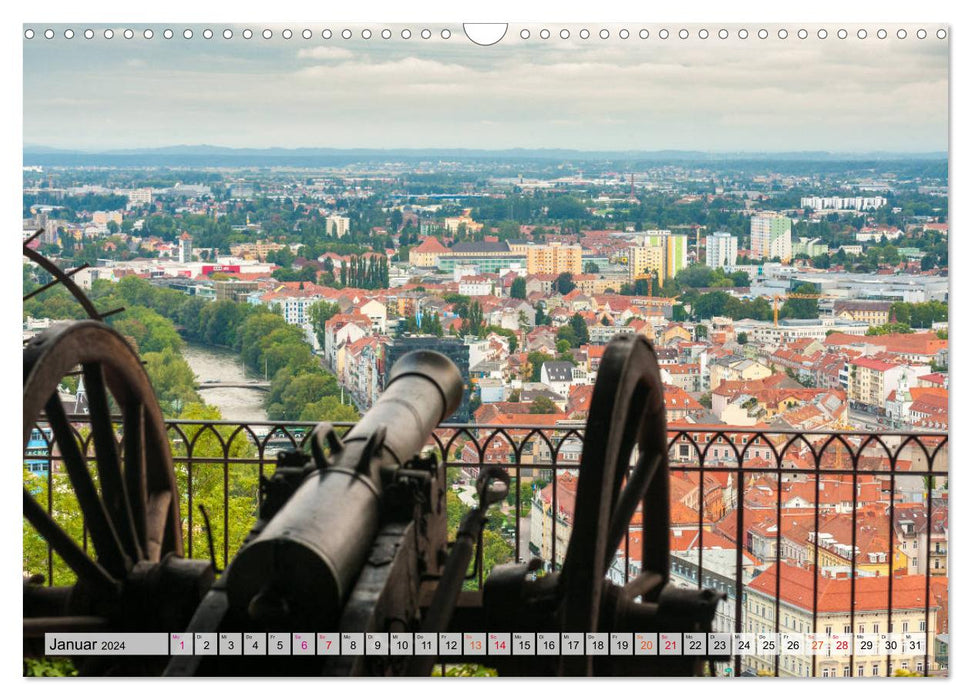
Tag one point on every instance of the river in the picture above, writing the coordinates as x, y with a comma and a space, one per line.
220, 365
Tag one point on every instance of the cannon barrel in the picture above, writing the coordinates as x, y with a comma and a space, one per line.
305, 560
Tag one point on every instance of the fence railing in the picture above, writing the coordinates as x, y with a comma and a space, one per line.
829, 532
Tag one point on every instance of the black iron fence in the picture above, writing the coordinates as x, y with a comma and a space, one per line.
823, 532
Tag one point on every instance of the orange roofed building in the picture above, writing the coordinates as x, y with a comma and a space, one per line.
841, 607
551, 522
427, 252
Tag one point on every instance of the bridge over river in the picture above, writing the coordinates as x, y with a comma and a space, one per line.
254, 384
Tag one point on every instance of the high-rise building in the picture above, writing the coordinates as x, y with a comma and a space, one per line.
554, 259
674, 246
644, 260
185, 248
771, 236
453, 348
721, 250
141, 197
338, 225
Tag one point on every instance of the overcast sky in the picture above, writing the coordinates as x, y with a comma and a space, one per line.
712, 95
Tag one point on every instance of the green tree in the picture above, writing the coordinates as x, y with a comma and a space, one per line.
320, 314
65, 511
150, 331
695, 276
433, 325
518, 288
172, 379
579, 326
252, 335
285, 347
742, 338
801, 308
710, 305
567, 335
221, 320
542, 405
330, 409
566, 207
536, 360
564, 283
207, 481
541, 318
302, 390
821, 262
888, 328
473, 322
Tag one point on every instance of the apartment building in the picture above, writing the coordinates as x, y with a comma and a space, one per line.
771, 236
554, 259
834, 616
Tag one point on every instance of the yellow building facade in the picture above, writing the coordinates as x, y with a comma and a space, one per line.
554, 259
646, 259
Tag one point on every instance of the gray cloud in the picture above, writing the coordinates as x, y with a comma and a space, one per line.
700, 94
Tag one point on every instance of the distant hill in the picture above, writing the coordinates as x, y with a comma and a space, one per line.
205, 154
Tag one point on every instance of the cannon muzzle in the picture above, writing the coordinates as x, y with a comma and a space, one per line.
305, 560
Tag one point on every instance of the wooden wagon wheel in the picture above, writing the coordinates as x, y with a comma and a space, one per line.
627, 410
136, 579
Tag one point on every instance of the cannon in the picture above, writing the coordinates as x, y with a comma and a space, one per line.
351, 535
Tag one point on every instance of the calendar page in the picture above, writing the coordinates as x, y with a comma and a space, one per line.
536, 349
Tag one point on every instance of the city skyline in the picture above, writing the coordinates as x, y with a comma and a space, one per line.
708, 95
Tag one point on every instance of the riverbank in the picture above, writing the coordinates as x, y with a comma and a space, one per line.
213, 364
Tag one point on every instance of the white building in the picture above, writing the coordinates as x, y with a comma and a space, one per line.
789, 330
837, 203
876, 234
477, 286
378, 313
185, 248
810, 246
141, 197
771, 236
560, 376
721, 250
338, 225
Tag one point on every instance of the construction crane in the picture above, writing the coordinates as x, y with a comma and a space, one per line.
794, 295
650, 282
650, 300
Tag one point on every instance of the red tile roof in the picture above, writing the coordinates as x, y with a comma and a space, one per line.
833, 594
430, 245
872, 363
566, 495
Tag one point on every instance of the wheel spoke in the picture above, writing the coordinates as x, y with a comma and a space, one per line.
106, 543
109, 467
134, 437
157, 514
639, 480
87, 570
